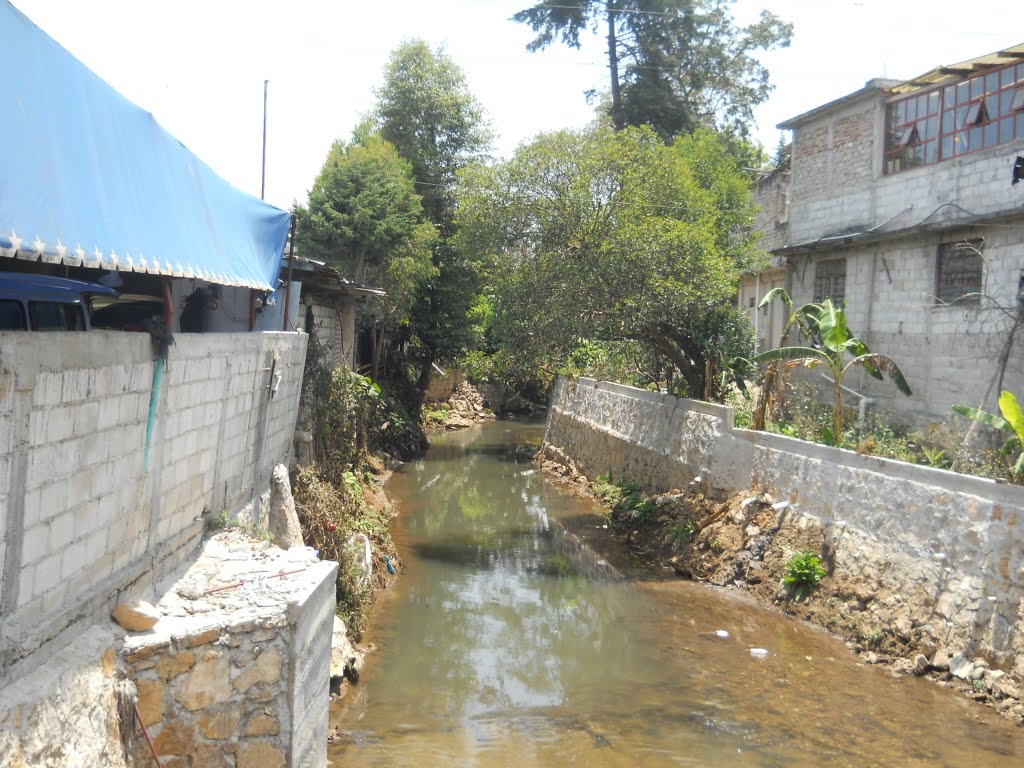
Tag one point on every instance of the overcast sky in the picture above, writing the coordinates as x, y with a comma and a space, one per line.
199, 65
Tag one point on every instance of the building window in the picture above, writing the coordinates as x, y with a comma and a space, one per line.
959, 272
952, 120
830, 280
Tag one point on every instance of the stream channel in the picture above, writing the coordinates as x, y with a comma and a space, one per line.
507, 641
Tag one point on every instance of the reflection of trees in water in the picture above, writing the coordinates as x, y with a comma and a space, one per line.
510, 623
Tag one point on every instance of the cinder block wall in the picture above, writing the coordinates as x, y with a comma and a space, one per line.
83, 519
949, 544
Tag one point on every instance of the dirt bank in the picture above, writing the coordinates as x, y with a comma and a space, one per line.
747, 542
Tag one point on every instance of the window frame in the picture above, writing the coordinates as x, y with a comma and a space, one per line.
954, 119
961, 250
825, 280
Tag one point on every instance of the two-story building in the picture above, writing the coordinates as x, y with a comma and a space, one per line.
901, 201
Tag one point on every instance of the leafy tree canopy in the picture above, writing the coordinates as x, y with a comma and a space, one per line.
365, 218
615, 236
425, 109
363, 209
676, 65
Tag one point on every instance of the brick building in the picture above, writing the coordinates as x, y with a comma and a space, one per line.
901, 201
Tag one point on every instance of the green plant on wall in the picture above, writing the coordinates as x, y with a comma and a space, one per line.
804, 572
826, 327
1012, 420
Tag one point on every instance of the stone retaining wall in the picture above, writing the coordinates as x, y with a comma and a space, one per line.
949, 544
235, 674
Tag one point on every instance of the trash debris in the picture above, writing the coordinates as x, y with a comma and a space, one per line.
759, 653
721, 633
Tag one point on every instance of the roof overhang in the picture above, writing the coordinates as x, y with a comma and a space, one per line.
90, 179
951, 73
870, 236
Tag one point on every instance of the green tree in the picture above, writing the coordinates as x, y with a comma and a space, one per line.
365, 218
675, 65
614, 236
425, 109
825, 325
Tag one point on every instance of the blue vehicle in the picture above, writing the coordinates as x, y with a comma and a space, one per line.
42, 303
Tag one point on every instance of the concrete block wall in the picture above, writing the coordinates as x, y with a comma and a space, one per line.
839, 184
949, 354
83, 519
949, 544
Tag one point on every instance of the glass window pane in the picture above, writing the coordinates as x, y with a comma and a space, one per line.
1005, 130
991, 134
933, 103
992, 106
974, 137
1007, 76
12, 316
947, 121
947, 146
930, 149
977, 87
1020, 73
922, 105
949, 99
900, 113
46, 316
991, 82
1005, 102
930, 128
1018, 122
963, 92
911, 114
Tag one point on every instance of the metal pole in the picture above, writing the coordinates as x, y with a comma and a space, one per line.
288, 285
263, 173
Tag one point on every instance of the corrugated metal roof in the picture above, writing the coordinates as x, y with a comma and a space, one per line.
953, 72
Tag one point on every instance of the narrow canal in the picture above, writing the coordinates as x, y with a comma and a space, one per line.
504, 644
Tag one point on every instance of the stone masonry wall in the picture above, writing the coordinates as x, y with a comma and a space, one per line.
90, 514
952, 546
236, 673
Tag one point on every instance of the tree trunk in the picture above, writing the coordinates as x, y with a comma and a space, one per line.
613, 68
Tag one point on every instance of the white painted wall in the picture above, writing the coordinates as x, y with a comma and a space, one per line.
83, 520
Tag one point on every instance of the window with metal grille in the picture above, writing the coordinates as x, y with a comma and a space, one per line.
830, 280
959, 273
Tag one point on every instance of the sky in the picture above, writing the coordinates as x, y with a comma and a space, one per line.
200, 65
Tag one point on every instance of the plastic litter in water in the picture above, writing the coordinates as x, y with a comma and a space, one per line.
759, 653
721, 633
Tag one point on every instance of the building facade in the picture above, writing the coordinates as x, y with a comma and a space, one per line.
901, 201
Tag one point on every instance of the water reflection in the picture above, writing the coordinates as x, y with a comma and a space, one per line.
498, 645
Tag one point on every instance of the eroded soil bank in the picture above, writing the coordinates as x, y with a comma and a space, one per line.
745, 542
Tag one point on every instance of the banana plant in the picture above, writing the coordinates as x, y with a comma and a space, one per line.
825, 325
1012, 420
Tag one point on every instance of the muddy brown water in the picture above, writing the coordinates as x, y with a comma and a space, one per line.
508, 642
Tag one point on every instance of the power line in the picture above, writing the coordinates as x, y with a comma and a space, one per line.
610, 10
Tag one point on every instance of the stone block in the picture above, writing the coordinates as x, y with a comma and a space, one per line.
151, 700
174, 664
177, 737
207, 684
259, 754
221, 723
211, 756
261, 725
266, 669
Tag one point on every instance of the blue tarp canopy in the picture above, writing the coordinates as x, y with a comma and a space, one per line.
87, 178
